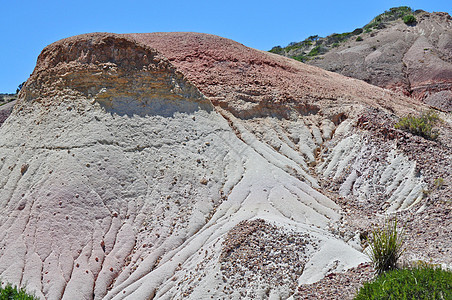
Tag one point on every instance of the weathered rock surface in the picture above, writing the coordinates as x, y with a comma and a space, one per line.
414, 59
183, 165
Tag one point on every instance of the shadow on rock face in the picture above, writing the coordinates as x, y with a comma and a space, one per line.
147, 106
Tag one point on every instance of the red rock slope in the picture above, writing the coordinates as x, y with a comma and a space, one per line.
255, 83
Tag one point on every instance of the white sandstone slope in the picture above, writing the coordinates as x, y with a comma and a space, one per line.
120, 180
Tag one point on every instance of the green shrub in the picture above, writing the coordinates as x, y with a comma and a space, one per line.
410, 19
13, 293
422, 282
421, 125
312, 38
300, 57
359, 39
357, 31
386, 246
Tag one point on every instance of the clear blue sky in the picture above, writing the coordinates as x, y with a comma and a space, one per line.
27, 26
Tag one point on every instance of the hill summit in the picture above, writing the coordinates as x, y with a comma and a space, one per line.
401, 49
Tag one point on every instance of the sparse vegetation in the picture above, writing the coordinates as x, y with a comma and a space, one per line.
420, 125
301, 58
315, 51
386, 246
8, 292
315, 45
276, 50
392, 14
421, 282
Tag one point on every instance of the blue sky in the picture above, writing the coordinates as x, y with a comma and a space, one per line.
27, 26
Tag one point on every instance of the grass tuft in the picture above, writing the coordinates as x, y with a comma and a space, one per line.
386, 246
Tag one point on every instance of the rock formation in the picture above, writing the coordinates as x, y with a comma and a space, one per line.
184, 165
416, 60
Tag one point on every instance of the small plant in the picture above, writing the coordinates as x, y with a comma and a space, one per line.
386, 246
421, 282
359, 39
421, 125
438, 183
8, 292
409, 19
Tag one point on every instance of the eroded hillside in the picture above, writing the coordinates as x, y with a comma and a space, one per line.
184, 165
411, 57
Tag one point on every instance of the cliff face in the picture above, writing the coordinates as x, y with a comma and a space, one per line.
184, 165
413, 59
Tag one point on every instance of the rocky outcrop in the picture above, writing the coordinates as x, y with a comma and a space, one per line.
149, 166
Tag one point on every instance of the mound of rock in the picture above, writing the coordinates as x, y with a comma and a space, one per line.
174, 165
